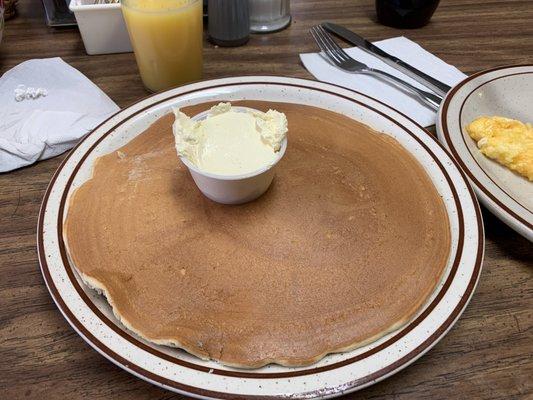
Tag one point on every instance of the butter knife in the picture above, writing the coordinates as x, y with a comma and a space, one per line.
419, 76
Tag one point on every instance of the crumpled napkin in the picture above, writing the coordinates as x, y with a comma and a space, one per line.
40, 128
404, 49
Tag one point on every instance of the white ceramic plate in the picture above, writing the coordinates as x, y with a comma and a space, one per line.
336, 374
507, 92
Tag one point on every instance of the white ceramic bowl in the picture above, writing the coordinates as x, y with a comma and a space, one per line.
233, 189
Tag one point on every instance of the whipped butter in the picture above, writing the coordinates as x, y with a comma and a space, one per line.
230, 141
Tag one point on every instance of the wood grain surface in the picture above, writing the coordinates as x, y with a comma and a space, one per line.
487, 355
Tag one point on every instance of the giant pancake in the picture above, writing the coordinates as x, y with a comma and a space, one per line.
347, 244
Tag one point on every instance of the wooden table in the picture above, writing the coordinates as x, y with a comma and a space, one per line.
487, 354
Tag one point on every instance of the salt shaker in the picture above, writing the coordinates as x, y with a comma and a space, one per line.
228, 22
269, 15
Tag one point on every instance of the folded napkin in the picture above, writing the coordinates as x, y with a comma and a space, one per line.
404, 49
47, 106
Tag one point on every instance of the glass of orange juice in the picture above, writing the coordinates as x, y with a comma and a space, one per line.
167, 40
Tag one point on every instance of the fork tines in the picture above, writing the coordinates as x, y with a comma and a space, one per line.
328, 46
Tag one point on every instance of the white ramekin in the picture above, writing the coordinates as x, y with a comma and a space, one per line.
233, 189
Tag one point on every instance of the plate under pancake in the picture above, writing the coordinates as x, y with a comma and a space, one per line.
346, 245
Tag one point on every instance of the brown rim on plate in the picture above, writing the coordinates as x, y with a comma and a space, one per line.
447, 138
464, 140
194, 390
133, 339
127, 335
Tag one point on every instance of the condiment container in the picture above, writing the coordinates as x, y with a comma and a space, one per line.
269, 15
228, 22
233, 189
101, 26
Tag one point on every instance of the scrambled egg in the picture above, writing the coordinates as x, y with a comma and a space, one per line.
508, 141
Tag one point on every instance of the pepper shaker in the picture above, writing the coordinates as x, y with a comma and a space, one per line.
228, 22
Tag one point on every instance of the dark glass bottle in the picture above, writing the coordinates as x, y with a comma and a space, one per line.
405, 13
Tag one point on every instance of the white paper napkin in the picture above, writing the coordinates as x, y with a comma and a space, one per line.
407, 51
36, 129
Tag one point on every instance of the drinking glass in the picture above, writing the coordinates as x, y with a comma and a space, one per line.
166, 36
269, 15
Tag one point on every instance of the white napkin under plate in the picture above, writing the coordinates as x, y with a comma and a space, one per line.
406, 50
43, 127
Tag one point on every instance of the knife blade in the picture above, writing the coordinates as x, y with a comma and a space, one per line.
419, 76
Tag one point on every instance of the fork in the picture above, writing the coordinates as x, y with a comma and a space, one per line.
338, 57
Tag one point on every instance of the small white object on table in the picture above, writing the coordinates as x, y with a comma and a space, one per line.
39, 127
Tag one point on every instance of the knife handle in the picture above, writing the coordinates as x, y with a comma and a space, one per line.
419, 76
432, 100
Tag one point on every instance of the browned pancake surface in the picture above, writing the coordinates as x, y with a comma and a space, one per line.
347, 244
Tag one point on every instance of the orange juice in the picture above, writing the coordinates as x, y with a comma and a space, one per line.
167, 40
